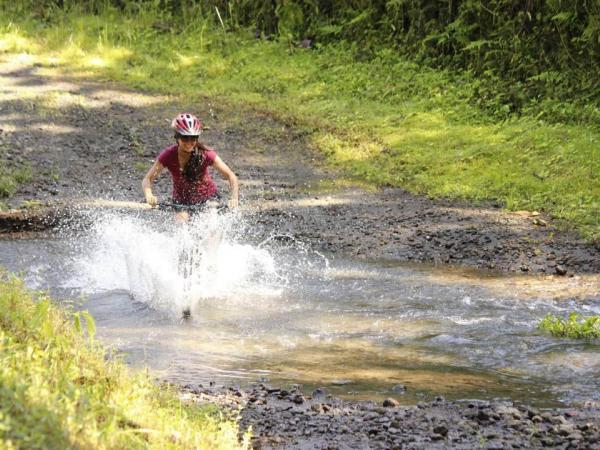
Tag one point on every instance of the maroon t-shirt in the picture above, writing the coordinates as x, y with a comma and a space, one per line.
184, 191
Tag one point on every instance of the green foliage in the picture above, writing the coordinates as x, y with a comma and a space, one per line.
60, 390
289, 19
11, 178
528, 56
505, 43
575, 326
383, 118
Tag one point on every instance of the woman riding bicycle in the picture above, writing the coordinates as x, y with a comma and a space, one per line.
188, 161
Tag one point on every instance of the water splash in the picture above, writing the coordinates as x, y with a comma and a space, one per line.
173, 266
272, 306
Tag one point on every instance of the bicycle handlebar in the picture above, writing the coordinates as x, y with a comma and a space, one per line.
199, 207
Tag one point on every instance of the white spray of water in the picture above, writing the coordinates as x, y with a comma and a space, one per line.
172, 266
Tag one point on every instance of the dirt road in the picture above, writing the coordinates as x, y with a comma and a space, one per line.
84, 139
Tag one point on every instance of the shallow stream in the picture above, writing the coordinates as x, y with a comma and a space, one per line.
272, 309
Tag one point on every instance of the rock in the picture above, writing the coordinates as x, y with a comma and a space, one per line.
237, 393
341, 382
565, 429
510, 411
370, 416
399, 389
317, 407
483, 415
558, 420
593, 438
560, 270
283, 393
547, 442
441, 429
515, 424
391, 403
575, 436
495, 445
319, 393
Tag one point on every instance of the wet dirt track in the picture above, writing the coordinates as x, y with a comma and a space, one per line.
81, 139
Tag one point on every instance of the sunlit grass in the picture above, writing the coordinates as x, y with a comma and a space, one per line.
59, 389
13, 41
387, 121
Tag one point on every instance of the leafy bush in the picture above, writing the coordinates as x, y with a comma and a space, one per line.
575, 326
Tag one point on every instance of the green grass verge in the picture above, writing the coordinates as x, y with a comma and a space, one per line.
11, 178
575, 326
386, 121
60, 390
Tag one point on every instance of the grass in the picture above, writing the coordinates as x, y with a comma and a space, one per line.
575, 326
386, 121
11, 178
59, 389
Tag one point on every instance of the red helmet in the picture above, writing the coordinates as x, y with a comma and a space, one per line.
187, 124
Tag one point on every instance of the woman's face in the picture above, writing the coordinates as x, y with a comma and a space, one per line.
187, 143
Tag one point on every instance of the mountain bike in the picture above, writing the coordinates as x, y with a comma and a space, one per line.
195, 243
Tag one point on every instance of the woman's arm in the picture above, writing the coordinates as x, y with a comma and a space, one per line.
228, 174
150, 178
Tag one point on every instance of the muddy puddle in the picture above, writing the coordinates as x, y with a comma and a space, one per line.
273, 309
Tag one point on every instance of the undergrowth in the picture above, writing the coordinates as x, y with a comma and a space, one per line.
575, 326
384, 120
60, 389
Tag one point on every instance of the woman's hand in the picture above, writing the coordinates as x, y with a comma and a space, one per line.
233, 203
151, 199
228, 174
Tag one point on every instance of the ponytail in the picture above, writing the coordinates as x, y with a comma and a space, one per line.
193, 167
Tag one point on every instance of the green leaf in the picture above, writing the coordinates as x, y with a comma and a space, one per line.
90, 324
